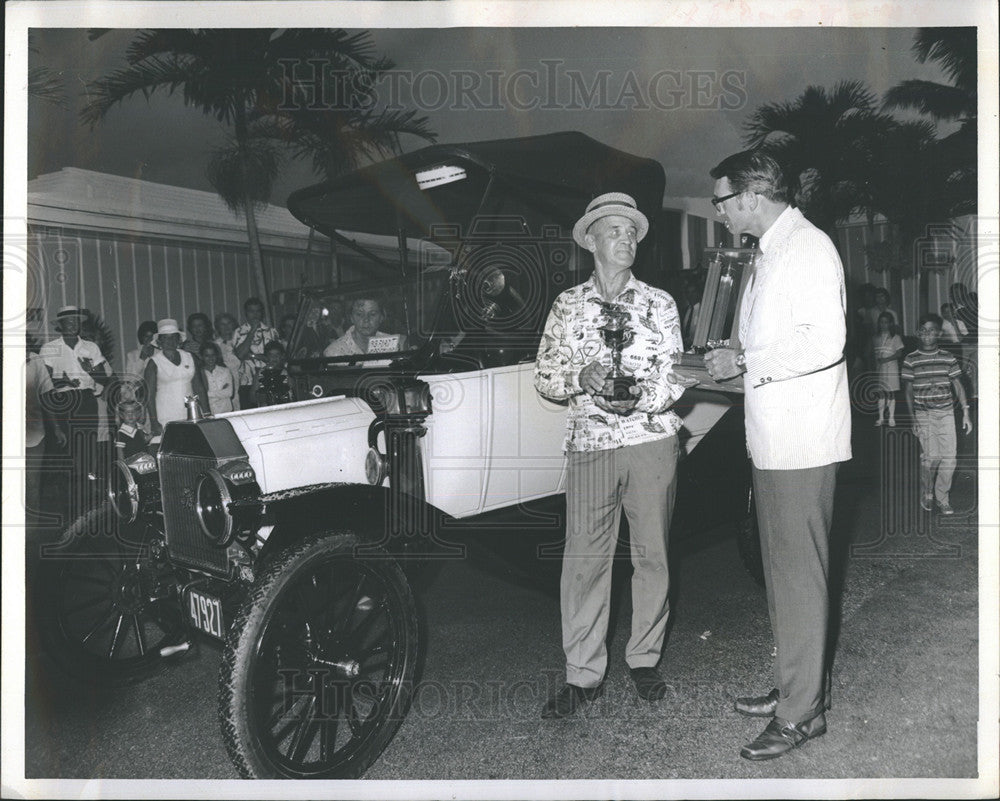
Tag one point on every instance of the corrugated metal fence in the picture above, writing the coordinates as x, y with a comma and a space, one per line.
127, 280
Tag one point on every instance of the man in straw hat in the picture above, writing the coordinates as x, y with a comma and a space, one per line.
79, 373
621, 451
792, 331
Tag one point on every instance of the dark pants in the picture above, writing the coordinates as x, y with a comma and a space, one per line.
76, 412
795, 511
248, 399
34, 463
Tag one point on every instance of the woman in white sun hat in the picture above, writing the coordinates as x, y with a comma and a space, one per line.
170, 377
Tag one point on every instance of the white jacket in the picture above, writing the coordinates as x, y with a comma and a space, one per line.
792, 330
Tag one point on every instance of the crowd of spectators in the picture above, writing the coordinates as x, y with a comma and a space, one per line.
82, 413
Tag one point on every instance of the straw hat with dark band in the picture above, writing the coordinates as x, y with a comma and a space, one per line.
70, 311
612, 203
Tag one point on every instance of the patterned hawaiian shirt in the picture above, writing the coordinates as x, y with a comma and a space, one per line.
572, 341
250, 366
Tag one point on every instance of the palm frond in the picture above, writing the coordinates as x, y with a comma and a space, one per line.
244, 173
338, 141
101, 334
954, 49
348, 49
939, 100
155, 42
46, 85
146, 78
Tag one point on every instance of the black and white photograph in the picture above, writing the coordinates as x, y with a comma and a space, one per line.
501, 400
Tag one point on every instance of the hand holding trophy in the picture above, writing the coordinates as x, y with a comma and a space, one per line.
714, 346
617, 336
618, 391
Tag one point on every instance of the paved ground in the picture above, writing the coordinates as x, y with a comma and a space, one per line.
904, 686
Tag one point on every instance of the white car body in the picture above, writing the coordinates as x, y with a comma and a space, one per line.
492, 441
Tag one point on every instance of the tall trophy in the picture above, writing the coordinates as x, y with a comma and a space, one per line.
717, 326
617, 336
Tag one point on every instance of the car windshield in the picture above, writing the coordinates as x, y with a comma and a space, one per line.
369, 320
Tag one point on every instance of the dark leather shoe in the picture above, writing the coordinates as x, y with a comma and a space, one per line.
570, 698
757, 706
648, 683
782, 736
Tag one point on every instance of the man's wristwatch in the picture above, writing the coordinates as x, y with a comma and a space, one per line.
741, 361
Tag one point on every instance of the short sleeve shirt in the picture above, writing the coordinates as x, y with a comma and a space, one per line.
931, 374
64, 362
346, 345
255, 361
572, 340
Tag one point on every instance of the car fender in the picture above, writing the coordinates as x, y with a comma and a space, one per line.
372, 512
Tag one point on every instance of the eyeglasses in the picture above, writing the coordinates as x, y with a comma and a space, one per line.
717, 200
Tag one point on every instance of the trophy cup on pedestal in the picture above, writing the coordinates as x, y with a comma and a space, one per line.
617, 336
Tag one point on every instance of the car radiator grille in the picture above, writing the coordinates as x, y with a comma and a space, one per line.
186, 542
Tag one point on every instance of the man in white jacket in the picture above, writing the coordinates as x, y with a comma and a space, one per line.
798, 422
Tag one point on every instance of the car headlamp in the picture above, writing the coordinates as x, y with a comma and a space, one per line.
216, 500
124, 490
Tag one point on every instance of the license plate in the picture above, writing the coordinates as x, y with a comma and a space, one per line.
206, 614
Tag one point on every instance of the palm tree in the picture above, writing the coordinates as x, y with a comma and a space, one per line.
43, 82
906, 186
243, 77
825, 141
955, 50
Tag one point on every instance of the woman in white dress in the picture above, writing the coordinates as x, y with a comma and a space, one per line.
170, 378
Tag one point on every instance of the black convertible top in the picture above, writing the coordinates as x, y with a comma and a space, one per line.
543, 180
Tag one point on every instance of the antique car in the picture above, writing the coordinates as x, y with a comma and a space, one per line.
293, 533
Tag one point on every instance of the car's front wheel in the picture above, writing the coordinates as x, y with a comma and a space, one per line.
318, 667
104, 602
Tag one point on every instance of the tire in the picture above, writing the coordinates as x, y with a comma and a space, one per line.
748, 541
317, 671
101, 603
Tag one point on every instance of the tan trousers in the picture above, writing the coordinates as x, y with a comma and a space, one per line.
938, 446
642, 481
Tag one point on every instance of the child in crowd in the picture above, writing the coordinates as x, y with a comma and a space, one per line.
953, 329
130, 437
220, 383
272, 383
887, 347
931, 376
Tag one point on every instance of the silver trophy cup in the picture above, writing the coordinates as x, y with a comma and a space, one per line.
617, 336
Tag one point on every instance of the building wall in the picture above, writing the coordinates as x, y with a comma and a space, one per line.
946, 256
127, 279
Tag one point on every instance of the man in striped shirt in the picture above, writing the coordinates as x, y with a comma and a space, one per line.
930, 376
